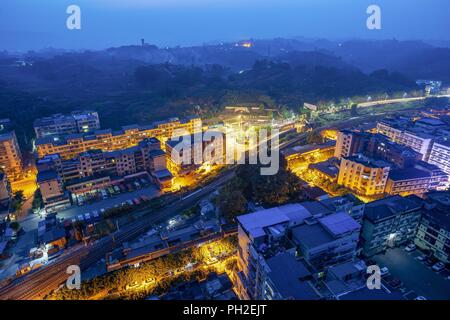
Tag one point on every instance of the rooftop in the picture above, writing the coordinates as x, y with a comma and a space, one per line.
254, 223
47, 175
289, 276
326, 230
408, 174
368, 162
391, 206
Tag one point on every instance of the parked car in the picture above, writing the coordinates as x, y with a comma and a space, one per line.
384, 271
438, 267
420, 298
410, 247
421, 258
96, 217
429, 261
395, 283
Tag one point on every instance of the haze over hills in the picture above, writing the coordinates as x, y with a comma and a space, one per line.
152, 83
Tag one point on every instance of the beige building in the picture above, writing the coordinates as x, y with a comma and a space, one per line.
10, 156
107, 140
50, 185
363, 175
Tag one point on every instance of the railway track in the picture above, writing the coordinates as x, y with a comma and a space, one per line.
46, 279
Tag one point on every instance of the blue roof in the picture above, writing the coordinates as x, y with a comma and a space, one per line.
47, 175
408, 174
339, 223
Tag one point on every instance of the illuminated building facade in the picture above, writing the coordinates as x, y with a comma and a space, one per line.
146, 156
71, 146
10, 156
363, 175
186, 153
418, 139
440, 155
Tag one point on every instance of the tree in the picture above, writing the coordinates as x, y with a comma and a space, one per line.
314, 137
17, 201
231, 202
270, 190
38, 202
15, 226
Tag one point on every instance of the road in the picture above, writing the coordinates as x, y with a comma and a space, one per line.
42, 281
400, 100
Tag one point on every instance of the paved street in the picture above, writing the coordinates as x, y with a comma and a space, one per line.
414, 274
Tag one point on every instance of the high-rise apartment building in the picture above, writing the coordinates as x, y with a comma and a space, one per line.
10, 156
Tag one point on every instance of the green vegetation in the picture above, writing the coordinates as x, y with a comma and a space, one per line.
249, 184
151, 278
38, 202
17, 201
15, 226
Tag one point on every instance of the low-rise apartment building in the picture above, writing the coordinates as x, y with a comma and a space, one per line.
433, 232
281, 250
72, 145
146, 156
263, 238
59, 124
390, 222
419, 139
327, 241
363, 175
408, 181
52, 191
440, 155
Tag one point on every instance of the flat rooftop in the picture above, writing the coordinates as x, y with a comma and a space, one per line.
288, 276
254, 223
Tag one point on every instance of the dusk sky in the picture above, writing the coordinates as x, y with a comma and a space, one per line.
35, 24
